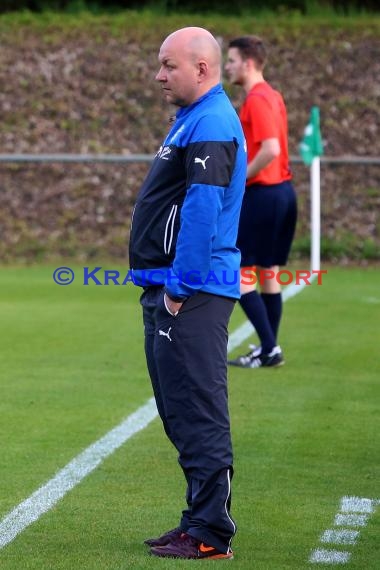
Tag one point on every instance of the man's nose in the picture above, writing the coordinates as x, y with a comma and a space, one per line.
160, 76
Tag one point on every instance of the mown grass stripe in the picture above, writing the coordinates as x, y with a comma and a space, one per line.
246, 329
49, 494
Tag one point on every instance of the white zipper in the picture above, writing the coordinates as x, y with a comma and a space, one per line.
133, 213
169, 229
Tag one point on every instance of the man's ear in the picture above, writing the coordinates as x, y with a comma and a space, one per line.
202, 70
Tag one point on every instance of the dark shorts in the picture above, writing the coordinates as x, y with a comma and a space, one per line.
267, 224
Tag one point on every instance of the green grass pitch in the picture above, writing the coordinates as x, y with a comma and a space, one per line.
72, 367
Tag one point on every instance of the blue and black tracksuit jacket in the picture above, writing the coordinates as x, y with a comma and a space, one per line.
185, 221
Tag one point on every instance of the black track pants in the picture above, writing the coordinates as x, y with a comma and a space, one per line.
187, 363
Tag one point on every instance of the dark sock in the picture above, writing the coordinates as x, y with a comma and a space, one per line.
254, 308
273, 304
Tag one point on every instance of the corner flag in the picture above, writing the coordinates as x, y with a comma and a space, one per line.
311, 149
311, 145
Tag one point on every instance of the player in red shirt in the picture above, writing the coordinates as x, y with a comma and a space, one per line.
269, 210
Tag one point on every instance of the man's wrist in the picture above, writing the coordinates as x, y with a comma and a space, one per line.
174, 298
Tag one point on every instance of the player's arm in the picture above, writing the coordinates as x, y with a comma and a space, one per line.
269, 150
264, 133
209, 166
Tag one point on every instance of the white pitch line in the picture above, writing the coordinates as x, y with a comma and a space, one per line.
348, 505
357, 505
343, 536
42, 500
350, 520
322, 556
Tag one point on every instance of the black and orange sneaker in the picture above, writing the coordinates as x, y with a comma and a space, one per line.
164, 538
189, 547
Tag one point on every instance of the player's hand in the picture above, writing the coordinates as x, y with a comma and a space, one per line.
172, 306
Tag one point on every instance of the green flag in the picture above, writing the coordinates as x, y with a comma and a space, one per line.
311, 145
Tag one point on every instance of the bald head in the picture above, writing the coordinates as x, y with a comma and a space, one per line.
198, 44
191, 62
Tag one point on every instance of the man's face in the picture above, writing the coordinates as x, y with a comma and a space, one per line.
178, 74
235, 67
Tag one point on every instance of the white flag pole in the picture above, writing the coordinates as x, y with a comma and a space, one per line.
315, 230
